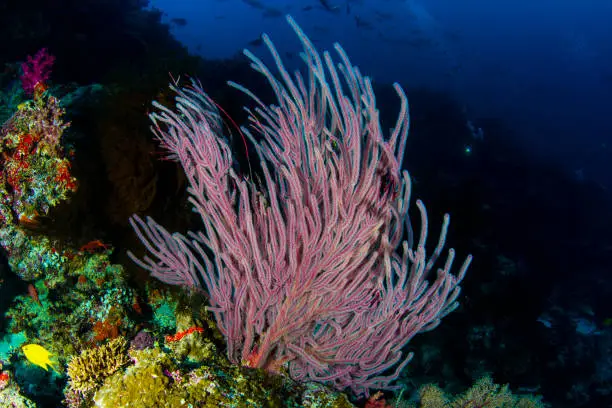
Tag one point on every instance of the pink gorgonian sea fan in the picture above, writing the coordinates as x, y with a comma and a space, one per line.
316, 271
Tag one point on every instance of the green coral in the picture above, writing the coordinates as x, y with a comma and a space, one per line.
318, 396
144, 384
10, 344
88, 370
195, 347
484, 393
158, 380
88, 289
32, 257
164, 316
10, 97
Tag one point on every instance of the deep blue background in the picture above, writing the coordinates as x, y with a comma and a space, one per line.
542, 66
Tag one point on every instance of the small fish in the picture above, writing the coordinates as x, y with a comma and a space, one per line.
255, 4
329, 7
361, 23
34, 294
383, 15
179, 21
272, 12
39, 356
256, 42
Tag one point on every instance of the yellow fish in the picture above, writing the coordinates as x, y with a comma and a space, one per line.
39, 356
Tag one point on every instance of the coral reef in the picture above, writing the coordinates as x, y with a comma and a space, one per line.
484, 393
158, 380
35, 174
89, 302
10, 393
92, 366
186, 370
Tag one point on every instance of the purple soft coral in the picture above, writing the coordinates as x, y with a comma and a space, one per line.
36, 71
143, 340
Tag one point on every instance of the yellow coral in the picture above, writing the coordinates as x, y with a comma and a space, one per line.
483, 393
432, 396
88, 370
